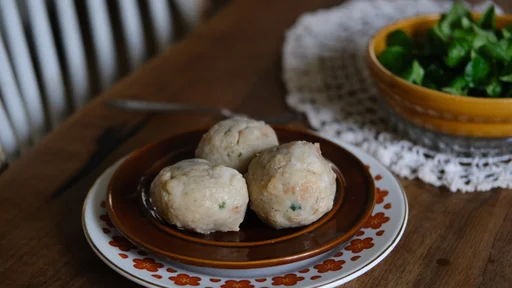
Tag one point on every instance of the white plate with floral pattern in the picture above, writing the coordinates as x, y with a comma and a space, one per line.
371, 244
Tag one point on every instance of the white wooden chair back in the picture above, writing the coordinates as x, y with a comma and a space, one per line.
50, 48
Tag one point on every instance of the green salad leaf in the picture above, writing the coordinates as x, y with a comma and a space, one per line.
453, 18
506, 78
436, 74
395, 58
458, 55
466, 22
435, 41
459, 86
507, 31
415, 73
506, 45
488, 20
493, 51
494, 88
458, 51
477, 71
478, 41
464, 34
401, 39
489, 36
506, 74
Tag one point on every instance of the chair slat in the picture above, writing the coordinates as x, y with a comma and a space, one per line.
7, 136
190, 11
12, 100
74, 51
49, 67
102, 37
161, 20
16, 43
133, 32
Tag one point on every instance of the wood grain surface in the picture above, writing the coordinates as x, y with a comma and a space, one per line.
233, 60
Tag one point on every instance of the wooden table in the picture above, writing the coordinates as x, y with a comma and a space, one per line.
452, 239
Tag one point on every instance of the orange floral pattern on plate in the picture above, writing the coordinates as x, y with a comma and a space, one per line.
286, 280
378, 177
122, 243
237, 284
185, 280
106, 219
329, 265
358, 245
170, 270
147, 264
381, 194
376, 221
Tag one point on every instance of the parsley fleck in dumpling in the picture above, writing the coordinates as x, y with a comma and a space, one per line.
291, 185
234, 142
197, 195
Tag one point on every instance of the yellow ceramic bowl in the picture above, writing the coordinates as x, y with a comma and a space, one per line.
435, 110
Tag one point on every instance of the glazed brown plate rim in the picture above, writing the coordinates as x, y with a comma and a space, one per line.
362, 215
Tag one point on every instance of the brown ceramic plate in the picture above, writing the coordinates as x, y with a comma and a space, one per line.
255, 245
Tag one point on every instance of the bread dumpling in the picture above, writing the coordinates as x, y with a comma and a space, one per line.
199, 196
291, 185
234, 142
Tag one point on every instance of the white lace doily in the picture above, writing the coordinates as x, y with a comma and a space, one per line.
325, 71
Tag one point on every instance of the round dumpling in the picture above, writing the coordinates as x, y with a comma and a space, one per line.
196, 195
234, 142
291, 185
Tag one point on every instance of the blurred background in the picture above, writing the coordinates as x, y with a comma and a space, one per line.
56, 55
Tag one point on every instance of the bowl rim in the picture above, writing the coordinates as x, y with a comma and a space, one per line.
443, 95
369, 206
